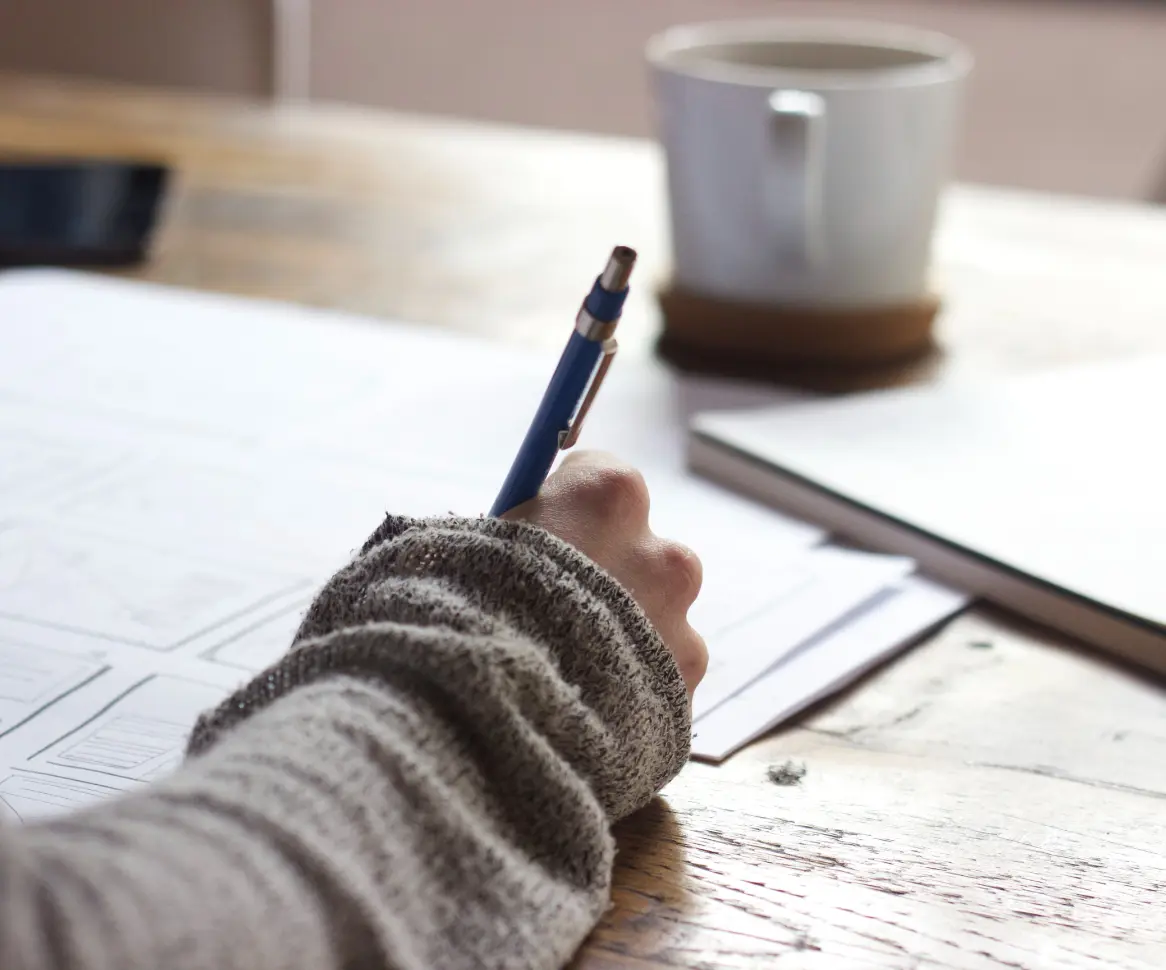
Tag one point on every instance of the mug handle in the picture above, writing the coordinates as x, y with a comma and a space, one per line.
795, 191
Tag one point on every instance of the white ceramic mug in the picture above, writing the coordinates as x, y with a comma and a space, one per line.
806, 160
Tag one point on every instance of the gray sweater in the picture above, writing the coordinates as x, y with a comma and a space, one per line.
426, 780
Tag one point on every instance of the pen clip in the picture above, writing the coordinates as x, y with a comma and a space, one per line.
571, 435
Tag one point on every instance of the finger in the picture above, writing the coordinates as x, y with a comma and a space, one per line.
669, 577
683, 573
690, 652
576, 468
528, 511
577, 465
602, 488
582, 457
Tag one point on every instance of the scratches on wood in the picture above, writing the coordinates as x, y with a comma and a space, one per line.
1048, 771
912, 843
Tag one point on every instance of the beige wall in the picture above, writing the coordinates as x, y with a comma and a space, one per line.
1067, 95
214, 45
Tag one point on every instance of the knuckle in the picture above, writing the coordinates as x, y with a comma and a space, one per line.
620, 491
693, 659
683, 570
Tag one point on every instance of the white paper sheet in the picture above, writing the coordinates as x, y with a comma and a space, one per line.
260, 644
32, 678
135, 736
811, 593
836, 657
178, 473
83, 717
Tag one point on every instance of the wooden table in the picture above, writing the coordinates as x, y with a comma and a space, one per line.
995, 798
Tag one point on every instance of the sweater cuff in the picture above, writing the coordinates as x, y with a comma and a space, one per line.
470, 580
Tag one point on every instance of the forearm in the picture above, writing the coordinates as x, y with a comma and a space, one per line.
426, 781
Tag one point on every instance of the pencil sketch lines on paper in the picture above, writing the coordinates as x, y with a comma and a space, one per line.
34, 678
125, 592
126, 746
33, 468
261, 643
27, 794
138, 736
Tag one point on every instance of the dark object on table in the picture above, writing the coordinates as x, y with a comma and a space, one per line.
77, 212
789, 773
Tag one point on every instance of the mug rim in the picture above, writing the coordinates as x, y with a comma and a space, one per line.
946, 58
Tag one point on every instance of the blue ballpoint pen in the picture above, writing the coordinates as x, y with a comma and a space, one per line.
573, 385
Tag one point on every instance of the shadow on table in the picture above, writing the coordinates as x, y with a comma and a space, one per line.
651, 894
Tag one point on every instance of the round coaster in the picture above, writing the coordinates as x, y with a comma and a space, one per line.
843, 335
813, 346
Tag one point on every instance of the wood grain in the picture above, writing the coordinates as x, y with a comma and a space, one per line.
994, 799
968, 807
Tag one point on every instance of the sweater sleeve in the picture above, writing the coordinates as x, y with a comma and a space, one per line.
427, 779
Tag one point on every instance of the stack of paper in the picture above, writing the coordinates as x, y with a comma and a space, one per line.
179, 472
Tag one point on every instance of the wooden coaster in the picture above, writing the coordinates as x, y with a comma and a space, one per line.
827, 349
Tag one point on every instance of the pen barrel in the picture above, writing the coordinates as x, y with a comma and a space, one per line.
551, 421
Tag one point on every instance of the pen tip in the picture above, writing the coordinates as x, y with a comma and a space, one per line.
618, 271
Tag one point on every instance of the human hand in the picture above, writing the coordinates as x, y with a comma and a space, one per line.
600, 506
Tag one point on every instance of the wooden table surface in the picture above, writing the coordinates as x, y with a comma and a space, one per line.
995, 798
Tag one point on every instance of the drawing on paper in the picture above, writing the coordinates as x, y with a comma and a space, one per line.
124, 592
260, 644
129, 746
311, 514
137, 737
33, 468
26, 795
33, 678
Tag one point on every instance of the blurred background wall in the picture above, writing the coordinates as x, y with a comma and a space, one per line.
214, 45
1069, 95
